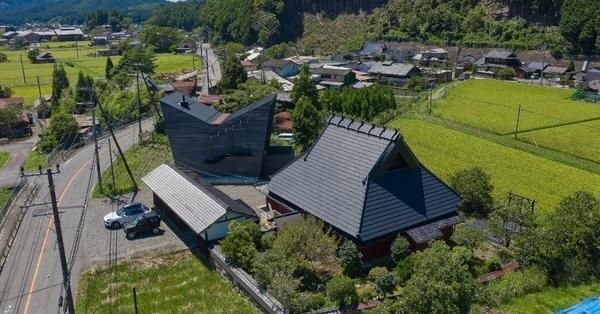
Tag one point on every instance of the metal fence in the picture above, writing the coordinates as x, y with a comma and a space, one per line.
246, 283
10, 224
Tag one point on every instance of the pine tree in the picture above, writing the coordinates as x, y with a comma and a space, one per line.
108, 68
80, 88
59, 83
307, 124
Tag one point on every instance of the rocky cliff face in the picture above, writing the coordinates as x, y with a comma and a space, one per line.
545, 12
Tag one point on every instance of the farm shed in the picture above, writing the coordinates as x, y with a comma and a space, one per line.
364, 182
190, 202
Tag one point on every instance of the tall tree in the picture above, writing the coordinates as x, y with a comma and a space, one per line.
304, 86
307, 124
108, 68
60, 82
233, 74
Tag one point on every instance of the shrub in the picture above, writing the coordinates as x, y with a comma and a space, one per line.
506, 74
240, 244
341, 290
385, 284
514, 284
3, 57
366, 294
349, 257
493, 264
306, 302
400, 248
376, 272
475, 187
32, 54
467, 237
405, 269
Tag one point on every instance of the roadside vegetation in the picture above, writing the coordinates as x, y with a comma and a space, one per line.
4, 158
141, 159
177, 283
35, 159
4, 196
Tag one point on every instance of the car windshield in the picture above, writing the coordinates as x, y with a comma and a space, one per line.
121, 212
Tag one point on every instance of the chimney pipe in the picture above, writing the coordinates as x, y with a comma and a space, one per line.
184, 103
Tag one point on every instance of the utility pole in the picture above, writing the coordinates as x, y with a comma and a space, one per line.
112, 133
139, 101
543, 62
135, 307
112, 169
39, 88
193, 59
430, 97
77, 48
23, 69
518, 119
61, 247
95, 130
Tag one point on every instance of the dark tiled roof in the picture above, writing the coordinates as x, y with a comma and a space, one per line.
195, 108
341, 181
373, 48
277, 63
265, 101
500, 54
538, 66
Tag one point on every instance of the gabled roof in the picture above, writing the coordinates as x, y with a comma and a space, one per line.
396, 69
346, 179
372, 48
195, 108
11, 101
197, 203
277, 63
538, 66
500, 54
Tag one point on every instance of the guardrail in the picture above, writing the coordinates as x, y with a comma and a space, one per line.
11, 227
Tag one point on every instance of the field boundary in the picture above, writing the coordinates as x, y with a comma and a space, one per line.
558, 126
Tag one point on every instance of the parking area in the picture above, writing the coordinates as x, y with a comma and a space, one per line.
96, 241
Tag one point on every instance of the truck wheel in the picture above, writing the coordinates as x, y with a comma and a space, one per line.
115, 225
155, 230
130, 235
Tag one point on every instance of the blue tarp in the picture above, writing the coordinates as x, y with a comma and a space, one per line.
587, 306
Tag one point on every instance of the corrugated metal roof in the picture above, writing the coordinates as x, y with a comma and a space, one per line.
398, 69
335, 181
190, 201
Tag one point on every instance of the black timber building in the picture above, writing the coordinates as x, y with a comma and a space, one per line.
365, 183
223, 147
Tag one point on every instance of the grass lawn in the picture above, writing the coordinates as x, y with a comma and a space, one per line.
175, 283
4, 158
492, 105
444, 151
141, 160
582, 139
4, 195
551, 299
35, 159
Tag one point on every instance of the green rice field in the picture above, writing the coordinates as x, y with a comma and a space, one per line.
174, 283
12, 74
445, 151
492, 105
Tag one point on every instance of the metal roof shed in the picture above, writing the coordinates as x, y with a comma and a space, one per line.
191, 202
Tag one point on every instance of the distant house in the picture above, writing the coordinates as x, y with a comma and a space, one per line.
10, 35
29, 37
372, 50
220, 146
69, 34
283, 68
555, 71
283, 121
108, 52
185, 47
22, 126
3, 42
431, 56
191, 203
248, 65
501, 58
393, 74
365, 183
589, 80
538, 66
331, 73
45, 57
302, 60
99, 41
186, 87
400, 54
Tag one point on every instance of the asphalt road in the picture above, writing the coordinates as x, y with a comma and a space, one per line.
31, 281
18, 154
213, 67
